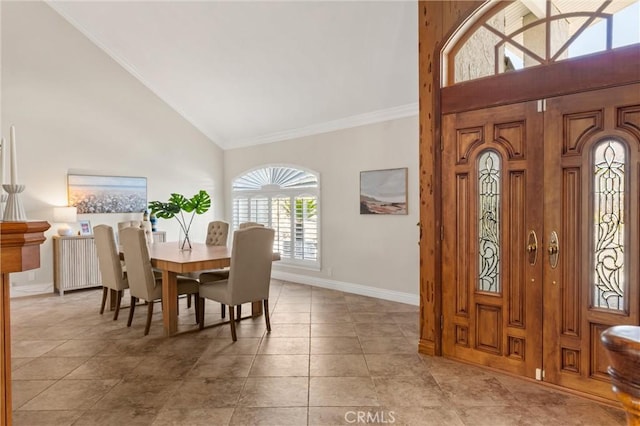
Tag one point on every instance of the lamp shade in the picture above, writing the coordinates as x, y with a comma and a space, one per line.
64, 216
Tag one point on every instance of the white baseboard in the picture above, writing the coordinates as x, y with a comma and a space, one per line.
363, 290
29, 289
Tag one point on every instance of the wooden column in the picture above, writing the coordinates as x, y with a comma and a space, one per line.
623, 345
19, 251
437, 20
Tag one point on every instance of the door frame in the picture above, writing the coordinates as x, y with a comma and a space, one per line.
597, 71
438, 23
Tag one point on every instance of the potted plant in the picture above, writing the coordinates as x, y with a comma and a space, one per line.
177, 206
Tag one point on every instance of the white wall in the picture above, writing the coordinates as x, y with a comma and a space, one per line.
367, 254
76, 110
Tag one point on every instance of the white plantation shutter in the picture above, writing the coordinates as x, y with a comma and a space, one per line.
240, 210
281, 222
305, 228
259, 210
285, 199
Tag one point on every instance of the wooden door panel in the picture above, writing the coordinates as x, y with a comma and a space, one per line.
501, 328
575, 125
547, 184
488, 327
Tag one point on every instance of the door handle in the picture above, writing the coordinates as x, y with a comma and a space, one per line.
532, 247
553, 250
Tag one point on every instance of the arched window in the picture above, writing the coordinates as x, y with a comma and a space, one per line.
287, 200
527, 33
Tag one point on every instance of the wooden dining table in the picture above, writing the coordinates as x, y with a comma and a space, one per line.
168, 258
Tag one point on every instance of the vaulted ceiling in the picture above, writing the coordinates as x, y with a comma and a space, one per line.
249, 72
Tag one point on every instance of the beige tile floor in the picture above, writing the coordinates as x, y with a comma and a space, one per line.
332, 359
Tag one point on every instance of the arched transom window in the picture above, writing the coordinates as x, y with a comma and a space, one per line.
526, 33
285, 199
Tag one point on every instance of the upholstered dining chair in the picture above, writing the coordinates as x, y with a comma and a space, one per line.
143, 283
144, 224
217, 233
244, 225
249, 275
113, 277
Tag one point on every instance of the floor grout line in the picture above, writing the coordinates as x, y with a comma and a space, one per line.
394, 374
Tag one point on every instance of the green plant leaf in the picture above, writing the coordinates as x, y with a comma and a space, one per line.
180, 201
164, 210
200, 203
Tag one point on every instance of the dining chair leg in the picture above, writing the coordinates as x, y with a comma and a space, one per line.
105, 290
196, 305
149, 315
118, 300
233, 324
223, 310
134, 300
266, 314
189, 300
239, 314
201, 312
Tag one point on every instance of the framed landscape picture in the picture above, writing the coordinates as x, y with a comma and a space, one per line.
107, 194
383, 191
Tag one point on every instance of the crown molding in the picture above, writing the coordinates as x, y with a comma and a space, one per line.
401, 111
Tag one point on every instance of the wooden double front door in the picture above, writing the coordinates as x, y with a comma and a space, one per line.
541, 233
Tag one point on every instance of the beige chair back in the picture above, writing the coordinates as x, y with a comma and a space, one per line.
217, 233
108, 258
143, 224
244, 225
251, 259
142, 281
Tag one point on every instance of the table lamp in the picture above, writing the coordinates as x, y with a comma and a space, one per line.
63, 216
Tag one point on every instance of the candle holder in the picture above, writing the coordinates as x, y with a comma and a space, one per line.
13, 210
